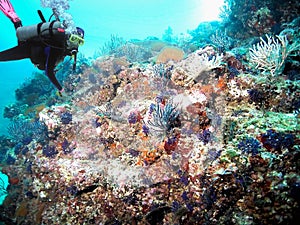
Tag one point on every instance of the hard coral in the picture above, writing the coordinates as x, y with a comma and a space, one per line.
10, 160
257, 17
256, 96
24, 131
169, 53
205, 136
134, 117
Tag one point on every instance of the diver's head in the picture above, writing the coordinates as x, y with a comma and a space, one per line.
76, 39
80, 32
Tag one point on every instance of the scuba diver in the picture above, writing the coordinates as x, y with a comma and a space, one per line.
46, 44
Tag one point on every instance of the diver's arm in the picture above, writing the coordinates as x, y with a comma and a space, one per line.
50, 67
51, 75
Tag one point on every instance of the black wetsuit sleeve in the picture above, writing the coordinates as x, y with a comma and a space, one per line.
16, 53
52, 61
51, 75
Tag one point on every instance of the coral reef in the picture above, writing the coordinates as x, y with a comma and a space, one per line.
256, 18
205, 138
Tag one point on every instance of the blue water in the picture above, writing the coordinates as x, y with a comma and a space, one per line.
131, 19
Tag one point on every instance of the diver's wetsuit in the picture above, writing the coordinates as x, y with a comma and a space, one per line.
45, 44
43, 56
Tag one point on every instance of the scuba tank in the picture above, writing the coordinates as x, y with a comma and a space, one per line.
54, 35
42, 30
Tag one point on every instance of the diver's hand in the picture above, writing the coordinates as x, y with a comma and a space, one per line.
59, 92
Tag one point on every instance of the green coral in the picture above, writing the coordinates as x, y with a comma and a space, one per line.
260, 122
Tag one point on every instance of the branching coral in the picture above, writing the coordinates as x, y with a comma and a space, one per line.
270, 55
222, 40
196, 64
209, 61
161, 70
111, 46
133, 52
21, 130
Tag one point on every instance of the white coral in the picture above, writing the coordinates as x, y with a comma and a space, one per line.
209, 59
203, 60
209, 62
270, 55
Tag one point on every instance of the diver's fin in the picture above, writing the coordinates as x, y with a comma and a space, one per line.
8, 10
15, 53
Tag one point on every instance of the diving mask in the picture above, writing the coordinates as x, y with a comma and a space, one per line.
77, 38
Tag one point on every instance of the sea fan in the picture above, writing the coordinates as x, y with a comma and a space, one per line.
270, 55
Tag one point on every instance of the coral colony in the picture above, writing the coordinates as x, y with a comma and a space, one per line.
202, 130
